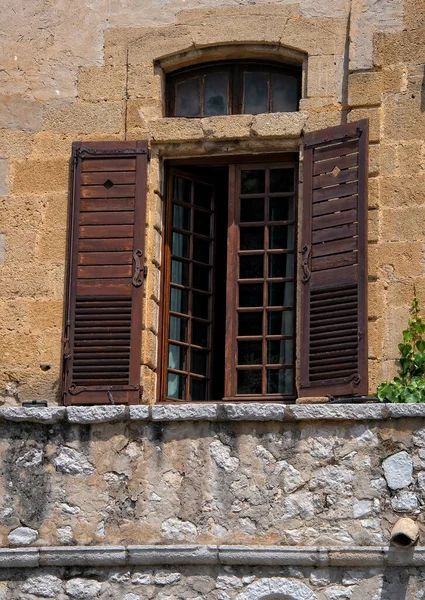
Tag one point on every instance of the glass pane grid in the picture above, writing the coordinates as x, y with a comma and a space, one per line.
190, 291
266, 283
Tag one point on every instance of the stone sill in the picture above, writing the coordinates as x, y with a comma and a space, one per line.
87, 415
108, 556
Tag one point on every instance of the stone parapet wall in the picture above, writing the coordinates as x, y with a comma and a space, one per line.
126, 477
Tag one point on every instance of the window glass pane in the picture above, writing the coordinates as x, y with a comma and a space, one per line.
251, 238
253, 181
202, 195
281, 237
200, 333
250, 323
285, 93
249, 381
282, 209
179, 300
279, 322
180, 245
251, 294
251, 267
177, 357
201, 250
199, 362
202, 223
176, 386
187, 98
256, 93
179, 272
280, 294
215, 94
181, 217
178, 329
281, 180
198, 389
201, 278
279, 352
279, 381
281, 265
250, 353
200, 305
182, 189
252, 209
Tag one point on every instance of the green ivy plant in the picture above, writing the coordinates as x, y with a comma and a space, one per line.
409, 386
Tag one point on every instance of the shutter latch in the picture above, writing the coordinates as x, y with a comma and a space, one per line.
306, 263
139, 272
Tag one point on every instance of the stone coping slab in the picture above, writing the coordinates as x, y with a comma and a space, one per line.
107, 556
91, 415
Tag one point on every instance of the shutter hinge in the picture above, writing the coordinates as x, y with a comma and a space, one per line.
306, 263
140, 272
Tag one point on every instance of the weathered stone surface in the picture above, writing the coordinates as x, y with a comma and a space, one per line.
46, 586
338, 412
22, 536
32, 414
178, 530
25, 557
251, 412
173, 555
17, 112
138, 413
221, 456
189, 412
398, 470
405, 502
279, 125
95, 414
3, 238
83, 555
83, 588
4, 171
72, 462
293, 590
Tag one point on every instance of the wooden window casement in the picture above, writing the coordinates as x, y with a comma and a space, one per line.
235, 281
233, 87
103, 328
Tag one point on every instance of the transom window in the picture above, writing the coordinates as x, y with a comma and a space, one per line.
229, 270
224, 88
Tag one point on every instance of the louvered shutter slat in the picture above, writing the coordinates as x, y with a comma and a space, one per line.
334, 313
103, 337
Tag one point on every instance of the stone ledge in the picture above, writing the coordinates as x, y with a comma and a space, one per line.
107, 556
92, 415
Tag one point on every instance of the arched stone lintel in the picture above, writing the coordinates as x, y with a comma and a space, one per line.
276, 587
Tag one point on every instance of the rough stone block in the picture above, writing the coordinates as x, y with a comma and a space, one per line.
251, 412
357, 557
51, 245
279, 125
397, 192
84, 118
338, 412
394, 78
33, 414
319, 119
227, 127
324, 76
402, 258
398, 411
17, 112
398, 470
95, 414
22, 536
139, 413
374, 116
403, 224
364, 89
403, 117
38, 176
172, 555
246, 555
15, 143
143, 82
184, 412
4, 170
101, 83
159, 42
176, 130
17, 558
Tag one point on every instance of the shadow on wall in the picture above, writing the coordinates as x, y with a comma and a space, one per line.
423, 93
395, 583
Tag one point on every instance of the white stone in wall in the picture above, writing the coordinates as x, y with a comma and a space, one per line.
132, 597
362, 509
22, 536
178, 530
32, 458
72, 462
224, 582
165, 578
285, 588
421, 480
221, 456
82, 588
339, 593
142, 579
404, 502
46, 586
298, 505
65, 535
320, 577
398, 470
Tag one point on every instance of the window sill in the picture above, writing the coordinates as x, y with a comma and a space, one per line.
89, 415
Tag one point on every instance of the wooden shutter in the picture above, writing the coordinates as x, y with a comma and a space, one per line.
105, 276
334, 271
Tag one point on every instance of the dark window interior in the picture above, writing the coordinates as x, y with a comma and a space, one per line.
238, 87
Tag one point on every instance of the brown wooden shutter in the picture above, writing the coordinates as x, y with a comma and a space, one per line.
334, 272
106, 272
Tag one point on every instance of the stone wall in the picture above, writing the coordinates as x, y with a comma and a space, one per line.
301, 476
359, 60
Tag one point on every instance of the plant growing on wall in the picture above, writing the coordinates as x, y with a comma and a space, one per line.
409, 386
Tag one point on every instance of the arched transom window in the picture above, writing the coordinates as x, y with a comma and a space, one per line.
237, 87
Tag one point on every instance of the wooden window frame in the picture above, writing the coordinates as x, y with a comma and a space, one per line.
235, 70
286, 159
